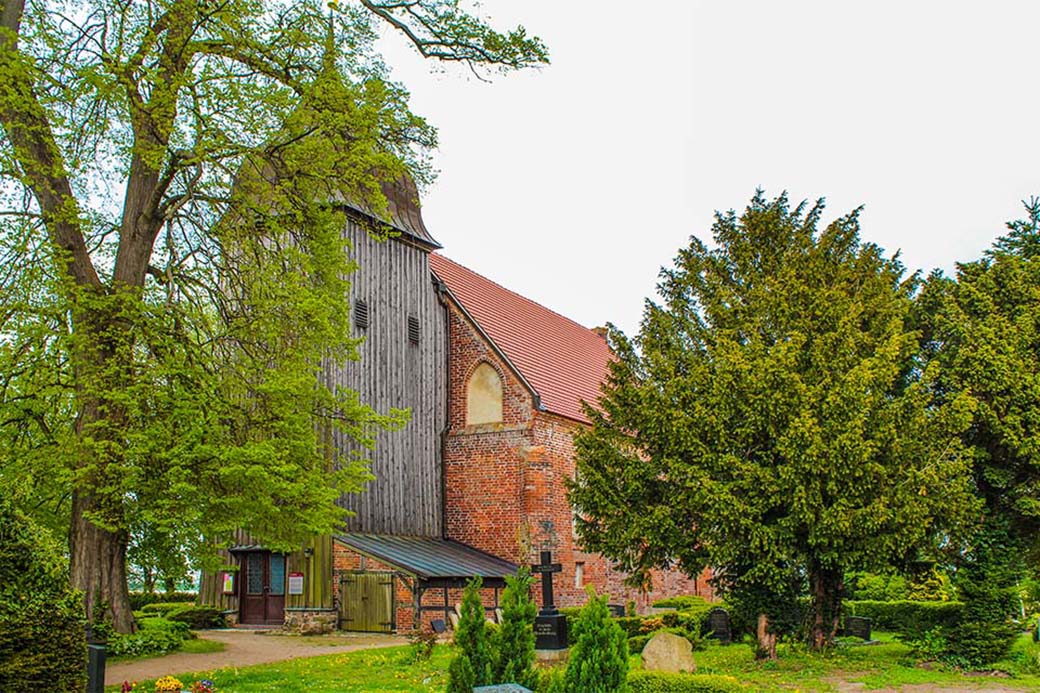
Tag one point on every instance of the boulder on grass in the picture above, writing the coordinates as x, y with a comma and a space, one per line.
668, 652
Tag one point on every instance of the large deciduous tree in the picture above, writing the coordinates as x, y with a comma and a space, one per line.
173, 268
771, 418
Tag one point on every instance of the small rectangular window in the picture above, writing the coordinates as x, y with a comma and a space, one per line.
413, 329
579, 575
361, 314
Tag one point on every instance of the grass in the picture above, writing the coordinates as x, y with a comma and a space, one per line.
888, 664
385, 669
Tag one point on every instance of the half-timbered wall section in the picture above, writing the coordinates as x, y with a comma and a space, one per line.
403, 364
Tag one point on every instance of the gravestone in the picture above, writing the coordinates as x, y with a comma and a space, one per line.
550, 626
668, 652
616, 610
858, 627
502, 688
719, 625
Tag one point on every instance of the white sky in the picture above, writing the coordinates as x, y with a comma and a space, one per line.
574, 184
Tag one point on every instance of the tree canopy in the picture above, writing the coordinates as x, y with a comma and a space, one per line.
772, 418
174, 270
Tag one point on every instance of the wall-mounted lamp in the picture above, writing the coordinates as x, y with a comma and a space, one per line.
308, 552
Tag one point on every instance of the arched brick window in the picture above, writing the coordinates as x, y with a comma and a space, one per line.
483, 396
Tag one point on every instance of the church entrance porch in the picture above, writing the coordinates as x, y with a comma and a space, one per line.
262, 588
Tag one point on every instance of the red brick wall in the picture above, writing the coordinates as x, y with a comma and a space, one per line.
346, 560
506, 483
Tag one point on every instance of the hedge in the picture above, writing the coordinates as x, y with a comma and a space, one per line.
42, 627
641, 681
163, 608
198, 617
907, 617
686, 601
139, 600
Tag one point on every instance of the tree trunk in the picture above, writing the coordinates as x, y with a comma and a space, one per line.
98, 537
766, 641
98, 567
826, 586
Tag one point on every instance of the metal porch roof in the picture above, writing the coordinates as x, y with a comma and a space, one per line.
428, 557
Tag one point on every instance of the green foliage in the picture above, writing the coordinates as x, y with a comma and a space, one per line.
877, 587
163, 608
513, 644
156, 637
42, 636
907, 617
159, 349
686, 601
598, 660
988, 585
772, 401
472, 642
982, 331
199, 617
640, 681
461, 678
139, 600
551, 680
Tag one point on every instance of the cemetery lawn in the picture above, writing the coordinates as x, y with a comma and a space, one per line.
885, 665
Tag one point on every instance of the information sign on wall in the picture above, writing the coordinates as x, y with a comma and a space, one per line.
295, 583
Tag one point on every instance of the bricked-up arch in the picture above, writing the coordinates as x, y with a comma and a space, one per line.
484, 395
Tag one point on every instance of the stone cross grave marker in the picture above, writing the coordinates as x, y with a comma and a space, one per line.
550, 626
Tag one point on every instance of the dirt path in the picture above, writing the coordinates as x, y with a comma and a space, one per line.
245, 647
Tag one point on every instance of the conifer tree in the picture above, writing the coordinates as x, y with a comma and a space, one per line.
471, 641
771, 419
599, 655
514, 641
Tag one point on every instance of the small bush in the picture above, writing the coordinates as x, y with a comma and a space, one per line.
163, 608
199, 617
637, 642
156, 637
513, 644
472, 665
641, 681
631, 625
686, 601
909, 618
550, 680
599, 655
423, 641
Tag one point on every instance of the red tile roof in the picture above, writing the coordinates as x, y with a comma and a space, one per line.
561, 360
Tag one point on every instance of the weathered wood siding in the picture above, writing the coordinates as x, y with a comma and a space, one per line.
317, 576
394, 278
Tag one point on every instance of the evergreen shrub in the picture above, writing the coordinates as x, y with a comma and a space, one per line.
599, 651
42, 625
641, 681
157, 636
471, 640
513, 643
199, 617
907, 617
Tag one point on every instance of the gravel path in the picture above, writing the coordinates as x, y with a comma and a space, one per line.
245, 647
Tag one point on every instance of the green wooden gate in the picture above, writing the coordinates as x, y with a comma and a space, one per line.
367, 602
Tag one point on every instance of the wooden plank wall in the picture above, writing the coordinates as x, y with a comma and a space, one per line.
394, 278
317, 576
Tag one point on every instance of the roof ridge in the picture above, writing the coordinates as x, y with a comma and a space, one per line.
514, 293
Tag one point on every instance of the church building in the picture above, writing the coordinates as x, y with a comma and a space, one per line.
474, 484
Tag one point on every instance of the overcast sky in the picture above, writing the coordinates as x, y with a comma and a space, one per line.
575, 183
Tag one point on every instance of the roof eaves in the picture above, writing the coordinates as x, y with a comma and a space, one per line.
537, 398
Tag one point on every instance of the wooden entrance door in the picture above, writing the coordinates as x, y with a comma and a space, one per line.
367, 602
263, 588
